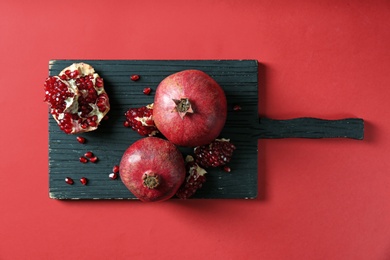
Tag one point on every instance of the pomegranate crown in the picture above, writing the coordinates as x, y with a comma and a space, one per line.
183, 106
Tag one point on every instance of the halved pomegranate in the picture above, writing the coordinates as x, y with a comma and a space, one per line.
77, 99
190, 108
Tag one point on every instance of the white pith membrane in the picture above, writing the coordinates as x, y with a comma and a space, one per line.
195, 169
72, 104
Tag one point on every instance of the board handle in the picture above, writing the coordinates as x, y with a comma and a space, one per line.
308, 127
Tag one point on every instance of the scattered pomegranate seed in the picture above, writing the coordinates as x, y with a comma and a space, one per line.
115, 169
84, 181
237, 107
105, 117
69, 180
227, 168
88, 154
80, 139
93, 159
147, 91
83, 159
134, 77
113, 175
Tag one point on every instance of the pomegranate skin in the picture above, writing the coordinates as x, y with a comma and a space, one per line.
152, 156
208, 104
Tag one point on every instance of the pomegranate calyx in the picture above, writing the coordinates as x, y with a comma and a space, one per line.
151, 180
183, 106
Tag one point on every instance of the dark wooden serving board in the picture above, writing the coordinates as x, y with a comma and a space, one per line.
238, 78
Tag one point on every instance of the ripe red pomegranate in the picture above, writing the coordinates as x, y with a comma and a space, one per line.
77, 99
189, 108
153, 169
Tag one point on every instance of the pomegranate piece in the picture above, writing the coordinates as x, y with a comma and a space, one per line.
113, 175
147, 91
80, 139
141, 120
194, 179
88, 154
134, 77
115, 169
226, 168
237, 108
217, 153
190, 108
69, 180
82, 159
152, 169
93, 159
77, 99
84, 181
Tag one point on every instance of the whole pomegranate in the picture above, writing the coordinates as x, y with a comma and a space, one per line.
153, 169
77, 99
190, 108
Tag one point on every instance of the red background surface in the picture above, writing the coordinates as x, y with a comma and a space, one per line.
318, 199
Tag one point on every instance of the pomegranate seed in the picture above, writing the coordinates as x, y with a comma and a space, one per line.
83, 159
227, 168
68, 72
147, 91
237, 107
88, 154
73, 74
115, 169
113, 175
80, 139
99, 82
105, 117
134, 77
93, 159
93, 124
84, 181
69, 180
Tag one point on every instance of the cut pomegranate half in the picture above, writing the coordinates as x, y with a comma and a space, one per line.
77, 99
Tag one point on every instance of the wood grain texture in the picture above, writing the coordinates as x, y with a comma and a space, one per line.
311, 128
237, 77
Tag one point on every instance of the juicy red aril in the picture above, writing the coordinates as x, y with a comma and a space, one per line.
88, 154
93, 159
134, 77
83, 159
99, 82
84, 181
147, 91
115, 169
69, 180
226, 168
56, 92
113, 175
237, 107
80, 139
73, 74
